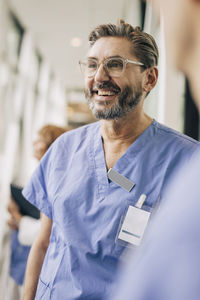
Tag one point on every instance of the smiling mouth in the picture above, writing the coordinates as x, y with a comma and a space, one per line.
105, 93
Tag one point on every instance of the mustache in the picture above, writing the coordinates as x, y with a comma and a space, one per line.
105, 85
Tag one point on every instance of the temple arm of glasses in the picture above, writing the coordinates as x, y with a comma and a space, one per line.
135, 62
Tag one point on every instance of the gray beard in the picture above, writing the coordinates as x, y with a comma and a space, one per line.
127, 101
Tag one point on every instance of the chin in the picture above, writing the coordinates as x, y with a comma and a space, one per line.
195, 93
103, 106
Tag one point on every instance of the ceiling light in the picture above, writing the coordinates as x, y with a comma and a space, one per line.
75, 42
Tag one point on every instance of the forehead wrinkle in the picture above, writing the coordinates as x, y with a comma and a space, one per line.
111, 46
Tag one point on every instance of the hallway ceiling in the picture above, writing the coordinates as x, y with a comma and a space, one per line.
54, 24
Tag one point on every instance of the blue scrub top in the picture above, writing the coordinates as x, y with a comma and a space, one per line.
18, 259
167, 267
71, 187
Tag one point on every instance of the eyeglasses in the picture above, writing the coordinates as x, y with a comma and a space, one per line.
114, 66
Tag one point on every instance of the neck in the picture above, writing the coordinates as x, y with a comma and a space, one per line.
118, 135
193, 66
194, 78
125, 130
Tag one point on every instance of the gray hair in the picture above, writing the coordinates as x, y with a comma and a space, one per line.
144, 47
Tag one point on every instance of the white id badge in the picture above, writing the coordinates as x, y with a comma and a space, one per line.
134, 225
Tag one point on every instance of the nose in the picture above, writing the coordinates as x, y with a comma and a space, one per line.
101, 74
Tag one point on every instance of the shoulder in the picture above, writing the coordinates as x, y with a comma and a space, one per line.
79, 133
75, 136
72, 141
174, 136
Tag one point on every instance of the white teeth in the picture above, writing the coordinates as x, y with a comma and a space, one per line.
106, 93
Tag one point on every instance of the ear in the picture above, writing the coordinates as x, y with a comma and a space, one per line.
150, 79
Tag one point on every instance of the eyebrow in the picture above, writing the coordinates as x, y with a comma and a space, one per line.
113, 56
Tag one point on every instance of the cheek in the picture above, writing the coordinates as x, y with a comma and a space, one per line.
156, 5
120, 83
136, 79
175, 19
178, 39
88, 82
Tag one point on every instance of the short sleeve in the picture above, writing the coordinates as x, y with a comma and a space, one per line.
37, 189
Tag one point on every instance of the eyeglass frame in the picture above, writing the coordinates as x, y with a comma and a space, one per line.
124, 60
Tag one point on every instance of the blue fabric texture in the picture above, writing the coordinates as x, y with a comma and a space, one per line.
18, 259
71, 187
167, 267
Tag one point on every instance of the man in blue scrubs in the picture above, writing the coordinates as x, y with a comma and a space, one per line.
168, 264
91, 176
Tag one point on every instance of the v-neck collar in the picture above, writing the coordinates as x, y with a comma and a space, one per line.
135, 148
122, 162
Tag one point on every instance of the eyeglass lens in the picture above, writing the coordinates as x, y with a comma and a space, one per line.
114, 66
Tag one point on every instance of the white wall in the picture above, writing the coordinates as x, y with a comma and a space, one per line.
30, 98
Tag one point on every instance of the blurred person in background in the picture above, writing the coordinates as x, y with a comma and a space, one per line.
90, 177
25, 228
167, 267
